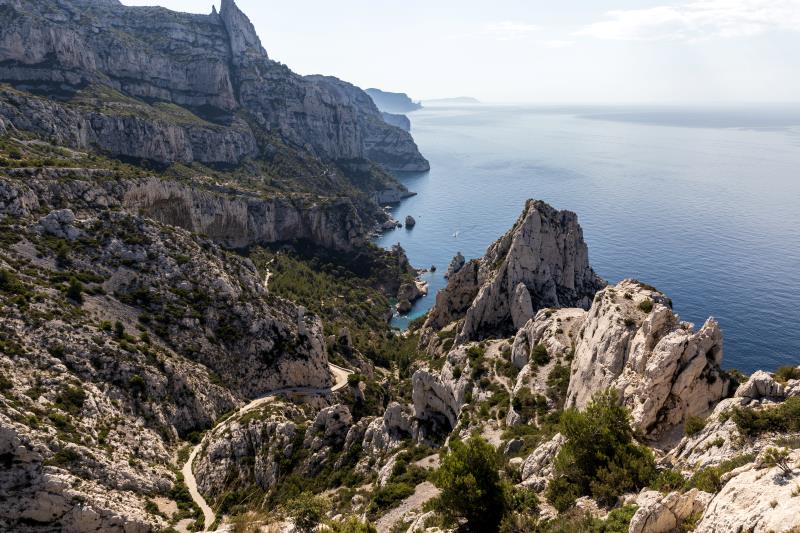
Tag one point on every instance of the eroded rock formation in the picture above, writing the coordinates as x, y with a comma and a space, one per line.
665, 371
541, 262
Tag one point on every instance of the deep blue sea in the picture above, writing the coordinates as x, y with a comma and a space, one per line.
703, 203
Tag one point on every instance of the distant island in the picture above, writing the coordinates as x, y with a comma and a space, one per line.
455, 100
393, 102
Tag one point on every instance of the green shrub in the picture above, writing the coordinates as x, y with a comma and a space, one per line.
75, 291
785, 373
539, 355
694, 425
352, 525
5, 383
558, 383
71, 399
667, 481
783, 418
471, 487
307, 511
137, 385
708, 479
646, 305
389, 496
599, 457
10, 283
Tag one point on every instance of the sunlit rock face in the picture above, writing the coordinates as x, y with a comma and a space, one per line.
664, 370
213, 66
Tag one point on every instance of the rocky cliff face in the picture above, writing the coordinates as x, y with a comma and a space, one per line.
632, 341
541, 262
213, 64
234, 220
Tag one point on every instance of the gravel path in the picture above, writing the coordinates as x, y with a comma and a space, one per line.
423, 493
339, 381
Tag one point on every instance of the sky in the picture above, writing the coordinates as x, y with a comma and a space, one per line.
539, 51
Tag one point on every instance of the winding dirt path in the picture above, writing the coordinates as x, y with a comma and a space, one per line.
339, 381
423, 493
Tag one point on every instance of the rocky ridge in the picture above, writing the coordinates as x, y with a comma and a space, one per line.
211, 65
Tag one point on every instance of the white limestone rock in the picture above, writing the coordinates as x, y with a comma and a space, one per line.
544, 253
759, 500
665, 371
537, 468
660, 513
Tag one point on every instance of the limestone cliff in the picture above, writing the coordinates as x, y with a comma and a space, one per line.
541, 262
233, 219
212, 68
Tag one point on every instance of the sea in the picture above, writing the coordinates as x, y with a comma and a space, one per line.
702, 202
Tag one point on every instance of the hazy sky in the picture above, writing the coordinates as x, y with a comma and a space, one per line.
539, 50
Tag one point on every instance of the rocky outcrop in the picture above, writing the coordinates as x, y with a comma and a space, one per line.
410, 222
665, 371
720, 439
249, 449
537, 468
37, 496
141, 131
556, 329
214, 64
234, 220
410, 293
755, 498
659, 513
541, 262
455, 265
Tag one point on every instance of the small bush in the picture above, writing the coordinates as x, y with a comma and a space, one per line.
785, 373
709, 479
75, 291
667, 481
782, 418
307, 511
646, 305
599, 457
778, 457
352, 525
694, 425
539, 355
389, 497
471, 487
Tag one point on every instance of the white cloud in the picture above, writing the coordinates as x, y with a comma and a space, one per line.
509, 30
555, 43
698, 20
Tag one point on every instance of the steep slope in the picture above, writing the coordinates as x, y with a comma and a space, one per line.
119, 336
232, 102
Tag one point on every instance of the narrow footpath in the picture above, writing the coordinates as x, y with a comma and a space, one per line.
339, 380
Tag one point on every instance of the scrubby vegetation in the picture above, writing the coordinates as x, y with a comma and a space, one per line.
783, 418
472, 490
600, 457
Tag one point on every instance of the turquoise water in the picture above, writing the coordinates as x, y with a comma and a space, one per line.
701, 203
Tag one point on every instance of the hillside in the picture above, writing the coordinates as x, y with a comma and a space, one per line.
194, 321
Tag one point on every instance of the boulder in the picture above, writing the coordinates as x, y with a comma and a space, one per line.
760, 385
410, 222
660, 513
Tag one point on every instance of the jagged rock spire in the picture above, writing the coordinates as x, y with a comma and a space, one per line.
244, 40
